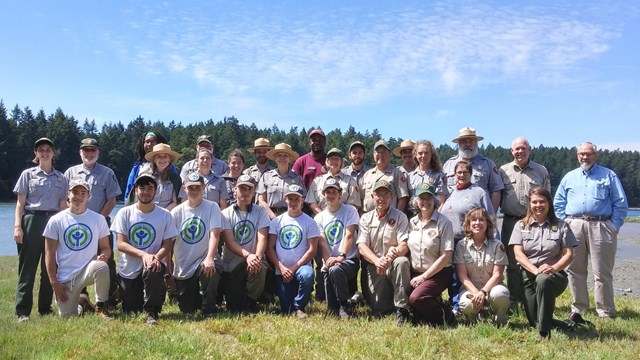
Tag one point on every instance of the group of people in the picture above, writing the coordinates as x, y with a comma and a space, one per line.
217, 231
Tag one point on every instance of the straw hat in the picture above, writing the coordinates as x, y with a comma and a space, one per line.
260, 143
162, 149
467, 132
282, 148
405, 144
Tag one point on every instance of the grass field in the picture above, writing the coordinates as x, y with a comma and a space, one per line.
271, 336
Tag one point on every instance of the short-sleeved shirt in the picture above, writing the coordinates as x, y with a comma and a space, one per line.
194, 227
255, 172
517, 184
244, 226
485, 173
274, 185
543, 243
392, 175
77, 236
437, 179
145, 232
480, 262
379, 234
334, 226
44, 191
218, 166
309, 168
350, 193
292, 237
357, 175
102, 182
427, 242
164, 193
215, 188
460, 202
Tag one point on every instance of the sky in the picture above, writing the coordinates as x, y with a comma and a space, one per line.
558, 72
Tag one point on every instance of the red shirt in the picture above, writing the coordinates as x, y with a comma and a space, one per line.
308, 168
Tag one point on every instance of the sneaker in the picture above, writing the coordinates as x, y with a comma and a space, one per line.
152, 319
87, 306
301, 314
103, 311
357, 299
344, 312
23, 318
577, 318
402, 316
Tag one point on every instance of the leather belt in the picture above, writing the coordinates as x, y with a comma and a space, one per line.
591, 217
513, 217
40, 212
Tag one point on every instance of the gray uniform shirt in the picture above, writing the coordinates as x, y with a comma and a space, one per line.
273, 185
350, 193
437, 179
485, 173
392, 175
101, 180
44, 191
217, 166
517, 184
543, 243
429, 241
255, 172
357, 175
381, 234
460, 202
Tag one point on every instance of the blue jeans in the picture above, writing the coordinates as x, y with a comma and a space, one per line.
295, 294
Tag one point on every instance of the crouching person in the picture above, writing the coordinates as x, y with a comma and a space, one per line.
196, 266
73, 237
144, 235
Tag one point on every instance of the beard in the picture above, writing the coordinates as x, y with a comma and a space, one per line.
86, 161
585, 166
467, 153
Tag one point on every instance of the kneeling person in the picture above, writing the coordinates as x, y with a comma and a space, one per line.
73, 237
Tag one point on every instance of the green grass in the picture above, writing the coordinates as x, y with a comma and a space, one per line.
632, 219
270, 336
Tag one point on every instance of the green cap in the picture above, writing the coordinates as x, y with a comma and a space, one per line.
425, 189
381, 143
335, 151
383, 184
88, 142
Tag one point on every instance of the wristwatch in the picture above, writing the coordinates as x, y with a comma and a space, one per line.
343, 255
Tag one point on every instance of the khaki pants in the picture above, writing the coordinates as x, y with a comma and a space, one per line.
498, 302
390, 289
96, 272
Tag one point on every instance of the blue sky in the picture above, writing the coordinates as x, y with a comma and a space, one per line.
558, 72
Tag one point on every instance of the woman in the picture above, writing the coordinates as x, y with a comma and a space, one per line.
169, 190
428, 171
431, 247
145, 144
214, 187
274, 183
480, 260
349, 189
41, 192
543, 246
236, 166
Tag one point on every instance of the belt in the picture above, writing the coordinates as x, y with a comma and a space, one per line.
591, 217
279, 210
513, 217
40, 212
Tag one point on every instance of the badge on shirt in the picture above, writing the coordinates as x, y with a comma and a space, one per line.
480, 167
391, 222
432, 233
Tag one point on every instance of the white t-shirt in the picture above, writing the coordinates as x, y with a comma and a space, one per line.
194, 227
143, 231
77, 237
292, 237
244, 227
334, 227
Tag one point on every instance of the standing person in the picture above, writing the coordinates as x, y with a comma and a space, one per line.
357, 168
41, 192
349, 193
431, 247
593, 202
168, 193
215, 188
273, 183
543, 246
428, 171
382, 242
144, 234
73, 237
485, 171
405, 152
245, 234
218, 166
520, 176
383, 170
311, 165
480, 260
236, 166
340, 258
293, 240
260, 148
196, 265
104, 188
145, 144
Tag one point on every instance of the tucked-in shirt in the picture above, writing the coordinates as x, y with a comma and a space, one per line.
218, 166
309, 168
77, 236
392, 175
194, 227
518, 182
244, 226
43, 191
350, 193
274, 185
437, 179
480, 262
427, 242
485, 173
292, 237
334, 227
102, 182
379, 234
460, 202
596, 192
542, 243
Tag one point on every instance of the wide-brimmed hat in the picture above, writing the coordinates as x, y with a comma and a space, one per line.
89, 142
467, 132
161, 149
260, 143
43, 140
405, 144
282, 148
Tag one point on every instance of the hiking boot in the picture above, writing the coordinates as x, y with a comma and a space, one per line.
577, 318
402, 316
301, 314
87, 306
252, 307
152, 319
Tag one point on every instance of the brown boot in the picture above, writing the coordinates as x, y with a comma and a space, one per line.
87, 306
103, 311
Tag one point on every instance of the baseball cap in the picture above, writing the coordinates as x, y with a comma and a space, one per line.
425, 189
88, 142
335, 151
294, 189
43, 140
331, 183
381, 143
79, 182
194, 179
145, 179
356, 143
317, 131
203, 138
383, 184
246, 180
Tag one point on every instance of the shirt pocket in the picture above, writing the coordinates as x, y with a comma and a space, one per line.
601, 190
553, 242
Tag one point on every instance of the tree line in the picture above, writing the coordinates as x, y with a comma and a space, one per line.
20, 128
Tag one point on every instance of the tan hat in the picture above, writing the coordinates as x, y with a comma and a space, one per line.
162, 149
282, 148
260, 143
405, 144
467, 132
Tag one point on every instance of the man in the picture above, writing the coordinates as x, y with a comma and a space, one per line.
383, 170
144, 234
485, 172
519, 177
405, 152
73, 237
293, 239
311, 164
104, 190
218, 166
382, 242
593, 202
337, 224
357, 169
245, 234
260, 148
195, 267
